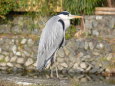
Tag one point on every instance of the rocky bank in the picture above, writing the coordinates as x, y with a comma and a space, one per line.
92, 54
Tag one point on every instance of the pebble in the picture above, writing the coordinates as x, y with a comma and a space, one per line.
99, 17
18, 66
29, 62
91, 46
64, 65
86, 45
76, 65
14, 49
9, 64
84, 79
2, 64
18, 53
7, 58
13, 59
61, 52
100, 46
67, 52
23, 41
30, 42
109, 56
83, 65
80, 54
88, 68
95, 33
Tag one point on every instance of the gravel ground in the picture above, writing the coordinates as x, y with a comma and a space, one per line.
17, 80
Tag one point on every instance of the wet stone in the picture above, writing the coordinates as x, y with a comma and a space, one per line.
88, 68
76, 65
93, 70
83, 65
79, 70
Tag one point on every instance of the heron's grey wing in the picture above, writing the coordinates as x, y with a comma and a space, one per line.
50, 41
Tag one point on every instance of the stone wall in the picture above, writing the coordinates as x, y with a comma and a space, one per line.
92, 54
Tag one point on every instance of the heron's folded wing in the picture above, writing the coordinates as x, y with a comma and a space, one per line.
50, 41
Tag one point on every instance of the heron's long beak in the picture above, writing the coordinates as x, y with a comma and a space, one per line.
75, 16
78, 16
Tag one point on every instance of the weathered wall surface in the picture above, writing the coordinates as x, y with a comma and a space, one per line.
92, 54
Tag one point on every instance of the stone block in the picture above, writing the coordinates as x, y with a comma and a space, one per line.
61, 52
9, 64
29, 62
20, 60
23, 41
83, 65
13, 59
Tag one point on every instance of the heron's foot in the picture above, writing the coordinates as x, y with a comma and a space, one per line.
51, 74
57, 74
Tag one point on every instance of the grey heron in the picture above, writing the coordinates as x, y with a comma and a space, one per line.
52, 38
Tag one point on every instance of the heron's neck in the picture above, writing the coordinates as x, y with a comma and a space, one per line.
67, 23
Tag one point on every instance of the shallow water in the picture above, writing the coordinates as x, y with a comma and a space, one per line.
65, 80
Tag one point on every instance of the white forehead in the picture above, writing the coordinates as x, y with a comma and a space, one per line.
62, 16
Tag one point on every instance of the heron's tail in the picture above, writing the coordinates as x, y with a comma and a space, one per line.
44, 63
40, 64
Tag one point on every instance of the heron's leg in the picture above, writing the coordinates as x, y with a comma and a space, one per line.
56, 66
51, 72
57, 74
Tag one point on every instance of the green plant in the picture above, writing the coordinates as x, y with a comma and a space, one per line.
6, 6
70, 32
82, 6
2, 60
49, 7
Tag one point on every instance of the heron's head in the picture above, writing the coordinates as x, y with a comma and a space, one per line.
66, 15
